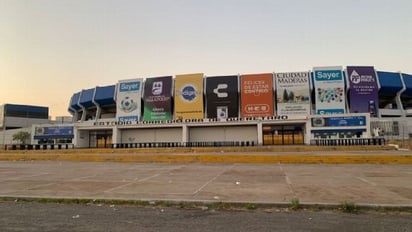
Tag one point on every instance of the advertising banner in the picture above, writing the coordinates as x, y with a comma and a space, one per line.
256, 95
363, 90
157, 99
128, 98
222, 97
292, 93
189, 96
329, 90
339, 121
53, 132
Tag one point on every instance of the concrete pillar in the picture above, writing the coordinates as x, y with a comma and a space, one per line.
117, 136
307, 131
259, 133
185, 134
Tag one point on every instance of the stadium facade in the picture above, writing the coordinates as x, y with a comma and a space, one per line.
254, 109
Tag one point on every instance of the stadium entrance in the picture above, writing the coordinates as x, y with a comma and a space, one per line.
100, 139
283, 134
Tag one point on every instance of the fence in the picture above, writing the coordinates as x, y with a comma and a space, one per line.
39, 146
187, 144
348, 142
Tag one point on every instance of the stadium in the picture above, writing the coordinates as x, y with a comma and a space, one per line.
333, 105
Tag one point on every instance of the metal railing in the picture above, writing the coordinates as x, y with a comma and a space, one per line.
348, 142
39, 146
186, 144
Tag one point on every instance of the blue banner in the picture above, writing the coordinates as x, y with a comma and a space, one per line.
54, 132
339, 121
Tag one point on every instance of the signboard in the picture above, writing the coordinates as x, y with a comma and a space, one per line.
128, 100
329, 90
158, 99
292, 93
363, 90
339, 121
53, 132
222, 98
189, 96
256, 95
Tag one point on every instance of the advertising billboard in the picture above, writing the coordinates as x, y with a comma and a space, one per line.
363, 90
222, 97
189, 96
54, 132
292, 93
339, 121
329, 90
157, 98
256, 95
128, 98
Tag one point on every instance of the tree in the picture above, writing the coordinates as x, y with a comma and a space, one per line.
21, 136
291, 96
285, 96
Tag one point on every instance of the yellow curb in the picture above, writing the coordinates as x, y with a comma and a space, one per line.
213, 158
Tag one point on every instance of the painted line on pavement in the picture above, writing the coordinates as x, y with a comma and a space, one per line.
366, 181
288, 181
214, 178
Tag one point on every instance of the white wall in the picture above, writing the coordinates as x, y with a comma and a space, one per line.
6, 137
223, 133
81, 138
146, 135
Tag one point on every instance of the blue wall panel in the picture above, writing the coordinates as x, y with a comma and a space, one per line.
408, 84
74, 100
105, 95
390, 83
86, 98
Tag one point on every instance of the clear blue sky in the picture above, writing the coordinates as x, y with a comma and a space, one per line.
50, 49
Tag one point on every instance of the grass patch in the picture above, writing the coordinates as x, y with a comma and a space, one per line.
294, 204
250, 206
349, 207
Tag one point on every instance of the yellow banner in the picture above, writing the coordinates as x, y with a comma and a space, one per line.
189, 96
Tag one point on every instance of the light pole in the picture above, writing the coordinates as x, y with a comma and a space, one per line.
4, 128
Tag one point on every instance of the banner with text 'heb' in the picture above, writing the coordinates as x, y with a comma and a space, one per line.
256, 95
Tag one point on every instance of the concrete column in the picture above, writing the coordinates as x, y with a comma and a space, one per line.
185, 134
259, 133
307, 131
117, 136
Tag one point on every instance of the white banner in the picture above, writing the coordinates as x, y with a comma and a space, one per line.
128, 98
292, 93
329, 90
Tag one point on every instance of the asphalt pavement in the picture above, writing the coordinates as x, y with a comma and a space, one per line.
270, 183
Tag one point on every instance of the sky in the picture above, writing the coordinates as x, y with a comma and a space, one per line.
51, 49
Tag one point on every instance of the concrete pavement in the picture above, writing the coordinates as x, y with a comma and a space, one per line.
274, 183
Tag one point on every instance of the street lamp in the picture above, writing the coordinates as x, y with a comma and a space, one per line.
4, 128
